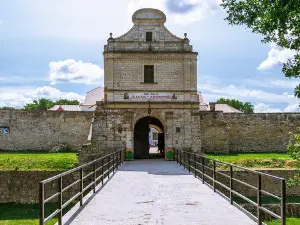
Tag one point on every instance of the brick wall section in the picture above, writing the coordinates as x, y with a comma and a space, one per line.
42, 130
259, 132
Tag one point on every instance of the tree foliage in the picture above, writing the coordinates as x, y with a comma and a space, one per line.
294, 150
246, 107
277, 20
7, 107
44, 104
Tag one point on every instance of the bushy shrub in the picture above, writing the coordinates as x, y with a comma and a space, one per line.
294, 151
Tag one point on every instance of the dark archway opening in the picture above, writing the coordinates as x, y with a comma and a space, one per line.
148, 138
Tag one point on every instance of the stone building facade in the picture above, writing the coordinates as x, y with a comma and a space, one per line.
150, 80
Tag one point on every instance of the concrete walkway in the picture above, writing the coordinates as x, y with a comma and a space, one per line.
156, 192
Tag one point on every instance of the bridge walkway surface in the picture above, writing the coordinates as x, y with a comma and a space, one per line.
155, 192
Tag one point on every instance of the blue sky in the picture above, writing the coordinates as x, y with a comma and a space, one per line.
54, 49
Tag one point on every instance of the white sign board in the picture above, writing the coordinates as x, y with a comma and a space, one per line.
150, 96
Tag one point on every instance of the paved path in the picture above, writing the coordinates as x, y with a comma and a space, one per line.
157, 192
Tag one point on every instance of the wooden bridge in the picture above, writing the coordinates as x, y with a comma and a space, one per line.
155, 191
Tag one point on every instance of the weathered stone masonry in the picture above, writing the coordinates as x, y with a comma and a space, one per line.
42, 130
258, 132
208, 132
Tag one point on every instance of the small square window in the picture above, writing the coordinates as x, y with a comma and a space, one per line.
4, 131
177, 129
148, 74
148, 36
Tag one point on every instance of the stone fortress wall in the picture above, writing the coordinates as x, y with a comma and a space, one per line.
208, 132
257, 132
43, 130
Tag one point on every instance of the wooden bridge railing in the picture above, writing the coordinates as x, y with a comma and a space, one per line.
88, 176
207, 170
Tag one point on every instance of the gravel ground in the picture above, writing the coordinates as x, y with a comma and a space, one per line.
156, 192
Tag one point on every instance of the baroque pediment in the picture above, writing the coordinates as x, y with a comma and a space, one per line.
148, 21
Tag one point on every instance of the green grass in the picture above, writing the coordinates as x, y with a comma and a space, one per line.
289, 221
37, 161
257, 160
24, 214
28, 214
267, 199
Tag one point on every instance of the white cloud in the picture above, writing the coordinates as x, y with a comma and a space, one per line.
213, 89
71, 71
264, 108
18, 97
292, 108
276, 55
244, 94
285, 83
200, 9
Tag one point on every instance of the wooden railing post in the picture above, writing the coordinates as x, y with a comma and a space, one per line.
81, 186
231, 184
189, 162
203, 177
180, 158
59, 215
113, 162
42, 205
195, 164
108, 165
102, 174
283, 202
184, 165
94, 177
214, 175
259, 219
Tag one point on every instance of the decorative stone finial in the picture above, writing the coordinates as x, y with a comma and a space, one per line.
110, 36
185, 36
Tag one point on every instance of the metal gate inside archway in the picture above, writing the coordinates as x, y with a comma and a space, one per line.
143, 138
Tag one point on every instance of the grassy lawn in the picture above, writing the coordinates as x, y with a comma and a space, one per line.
257, 160
37, 161
268, 199
23, 214
289, 221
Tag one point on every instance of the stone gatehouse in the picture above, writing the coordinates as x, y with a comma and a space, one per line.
150, 80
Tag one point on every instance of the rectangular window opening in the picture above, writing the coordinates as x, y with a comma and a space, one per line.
148, 74
4, 131
148, 36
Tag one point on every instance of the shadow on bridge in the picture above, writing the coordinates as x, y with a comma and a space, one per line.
154, 166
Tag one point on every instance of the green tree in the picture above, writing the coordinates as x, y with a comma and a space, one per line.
7, 107
67, 102
246, 107
294, 150
40, 104
277, 21
44, 104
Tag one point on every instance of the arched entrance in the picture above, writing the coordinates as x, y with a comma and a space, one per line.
142, 134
